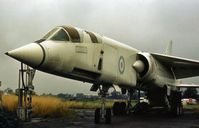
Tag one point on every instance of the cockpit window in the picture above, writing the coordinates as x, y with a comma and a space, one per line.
61, 35
57, 34
93, 37
50, 33
73, 33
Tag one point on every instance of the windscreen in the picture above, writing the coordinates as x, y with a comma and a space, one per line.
60, 35
50, 33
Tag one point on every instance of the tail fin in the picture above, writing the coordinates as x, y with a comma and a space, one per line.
168, 50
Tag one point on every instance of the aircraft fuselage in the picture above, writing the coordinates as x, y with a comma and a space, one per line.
85, 56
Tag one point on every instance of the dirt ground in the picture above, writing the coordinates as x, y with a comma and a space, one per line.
84, 119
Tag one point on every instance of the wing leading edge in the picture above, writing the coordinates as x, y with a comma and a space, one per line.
182, 67
187, 86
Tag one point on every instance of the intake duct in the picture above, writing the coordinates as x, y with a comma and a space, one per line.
143, 64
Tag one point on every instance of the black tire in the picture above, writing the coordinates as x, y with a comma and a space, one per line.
176, 105
116, 108
108, 116
176, 111
122, 108
181, 110
97, 116
141, 108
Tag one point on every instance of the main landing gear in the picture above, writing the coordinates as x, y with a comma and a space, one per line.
176, 107
123, 108
173, 102
103, 114
126, 108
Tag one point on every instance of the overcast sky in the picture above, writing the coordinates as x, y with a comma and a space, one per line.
147, 25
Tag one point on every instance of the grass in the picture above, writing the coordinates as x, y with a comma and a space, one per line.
10, 103
48, 106
192, 107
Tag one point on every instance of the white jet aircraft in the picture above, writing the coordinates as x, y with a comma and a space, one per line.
89, 57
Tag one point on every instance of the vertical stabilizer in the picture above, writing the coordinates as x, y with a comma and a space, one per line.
168, 50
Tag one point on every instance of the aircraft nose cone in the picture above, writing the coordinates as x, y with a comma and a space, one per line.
31, 54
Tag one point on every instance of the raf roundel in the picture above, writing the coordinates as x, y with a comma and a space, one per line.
121, 65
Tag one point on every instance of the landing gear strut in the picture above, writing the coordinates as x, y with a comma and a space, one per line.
176, 104
24, 91
103, 114
129, 105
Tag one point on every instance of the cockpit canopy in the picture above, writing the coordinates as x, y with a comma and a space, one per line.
67, 33
57, 34
62, 33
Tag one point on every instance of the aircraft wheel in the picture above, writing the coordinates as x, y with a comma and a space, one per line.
174, 110
179, 110
116, 109
176, 105
97, 116
108, 116
123, 108
141, 108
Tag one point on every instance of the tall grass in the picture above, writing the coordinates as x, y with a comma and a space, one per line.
10, 103
48, 106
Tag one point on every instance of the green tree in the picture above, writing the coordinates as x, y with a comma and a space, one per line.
8, 90
190, 93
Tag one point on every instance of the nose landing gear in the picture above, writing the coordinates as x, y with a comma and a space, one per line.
103, 113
